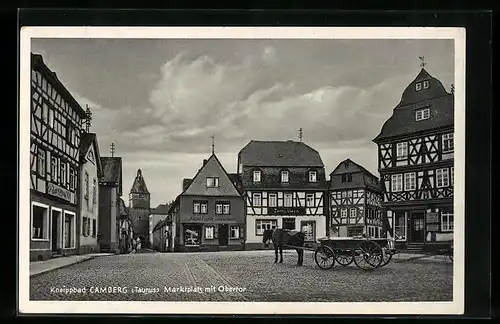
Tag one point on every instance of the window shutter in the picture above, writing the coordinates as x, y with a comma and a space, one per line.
216, 232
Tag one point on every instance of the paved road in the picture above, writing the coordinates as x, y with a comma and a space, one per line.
242, 276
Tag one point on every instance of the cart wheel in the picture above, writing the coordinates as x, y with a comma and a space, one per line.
324, 257
387, 257
368, 255
344, 257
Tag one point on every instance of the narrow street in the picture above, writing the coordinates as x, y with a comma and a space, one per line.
241, 276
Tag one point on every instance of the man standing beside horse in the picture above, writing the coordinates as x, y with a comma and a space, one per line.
281, 237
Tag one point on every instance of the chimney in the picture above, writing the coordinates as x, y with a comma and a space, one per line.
205, 161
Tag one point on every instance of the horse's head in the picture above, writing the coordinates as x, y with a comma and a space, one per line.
267, 235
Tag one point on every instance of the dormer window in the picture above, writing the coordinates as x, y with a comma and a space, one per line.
418, 86
312, 176
426, 84
256, 176
422, 114
284, 176
212, 182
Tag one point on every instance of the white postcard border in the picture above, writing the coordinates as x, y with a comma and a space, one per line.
139, 307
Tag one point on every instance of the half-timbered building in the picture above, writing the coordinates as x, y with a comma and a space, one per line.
56, 124
355, 202
284, 186
209, 214
415, 156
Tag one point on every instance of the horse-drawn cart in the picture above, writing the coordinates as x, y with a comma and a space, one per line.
366, 253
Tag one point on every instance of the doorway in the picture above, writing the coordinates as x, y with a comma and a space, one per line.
223, 234
56, 215
289, 223
417, 227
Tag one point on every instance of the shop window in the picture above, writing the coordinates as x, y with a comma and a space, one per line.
447, 222
39, 223
262, 225
192, 235
400, 225
234, 232
309, 229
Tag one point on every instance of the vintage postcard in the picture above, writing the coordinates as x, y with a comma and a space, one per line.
242, 170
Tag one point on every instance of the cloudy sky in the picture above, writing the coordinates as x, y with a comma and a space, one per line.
160, 101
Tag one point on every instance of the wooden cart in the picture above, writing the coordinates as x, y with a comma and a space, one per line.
366, 253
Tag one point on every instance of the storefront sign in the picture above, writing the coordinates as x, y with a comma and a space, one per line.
206, 218
286, 211
432, 227
60, 192
432, 217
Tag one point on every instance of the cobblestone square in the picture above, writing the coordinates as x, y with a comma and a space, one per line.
241, 276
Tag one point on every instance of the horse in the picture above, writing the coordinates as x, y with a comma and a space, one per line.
281, 237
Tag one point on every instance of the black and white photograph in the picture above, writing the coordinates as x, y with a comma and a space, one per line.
242, 170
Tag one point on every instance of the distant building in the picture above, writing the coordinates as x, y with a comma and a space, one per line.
56, 119
209, 214
90, 172
163, 234
415, 150
139, 208
110, 191
125, 231
355, 202
284, 186
158, 214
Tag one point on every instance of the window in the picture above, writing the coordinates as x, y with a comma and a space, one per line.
343, 212
68, 236
410, 183
203, 207
272, 200
234, 232
63, 178
426, 84
86, 195
226, 208
192, 235
422, 114
451, 175
39, 222
344, 194
256, 176
218, 208
354, 231
209, 232
256, 197
349, 194
309, 229
402, 150
442, 178
418, 86
289, 223
196, 208
353, 213
400, 225
262, 225
53, 168
41, 162
72, 178
288, 201
94, 191
310, 200
84, 226
284, 176
212, 182
447, 143
94, 227
312, 176
51, 118
447, 222
346, 177
397, 182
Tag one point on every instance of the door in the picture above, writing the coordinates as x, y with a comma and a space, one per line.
67, 231
55, 230
289, 223
223, 234
417, 227
309, 229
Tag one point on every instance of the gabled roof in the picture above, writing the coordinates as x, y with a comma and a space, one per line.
236, 180
212, 168
38, 64
279, 153
112, 172
122, 208
436, 98
185, 183
139, 185
161, 209
86, 141
348, 166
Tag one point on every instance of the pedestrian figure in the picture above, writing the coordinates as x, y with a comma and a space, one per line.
139, 244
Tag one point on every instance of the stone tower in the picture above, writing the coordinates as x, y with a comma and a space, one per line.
139, 206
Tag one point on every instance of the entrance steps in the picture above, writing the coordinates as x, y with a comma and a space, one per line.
415, 247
